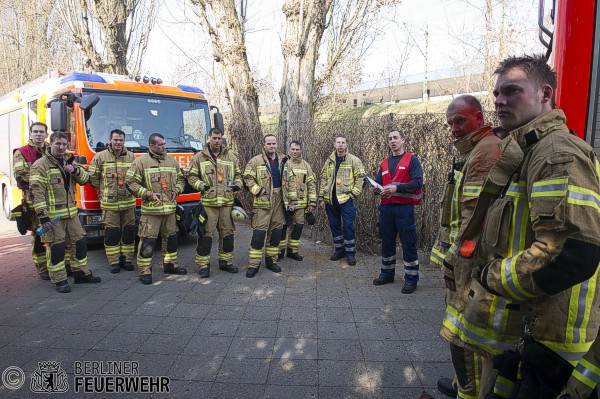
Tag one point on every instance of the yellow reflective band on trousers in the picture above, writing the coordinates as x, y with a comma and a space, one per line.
283, 244
483, 338
587, 373
226, 256
272, 251
455, 207
202, 261
78, 263
503, 387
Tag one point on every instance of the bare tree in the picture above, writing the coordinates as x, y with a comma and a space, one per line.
112, 35
221, 21
349, 34
29, 42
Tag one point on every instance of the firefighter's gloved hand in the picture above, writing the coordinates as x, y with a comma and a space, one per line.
234, 187
155, 197
69, 168
173, 195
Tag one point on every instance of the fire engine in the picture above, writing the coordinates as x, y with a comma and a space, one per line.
87, 106
574, 51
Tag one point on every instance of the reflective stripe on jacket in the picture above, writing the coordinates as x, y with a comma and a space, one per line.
299, 183
257, 177
159, 174
107, 174
54, 189
347, 181
213, 178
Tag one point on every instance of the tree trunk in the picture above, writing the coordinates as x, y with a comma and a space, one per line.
229, 49
305, 24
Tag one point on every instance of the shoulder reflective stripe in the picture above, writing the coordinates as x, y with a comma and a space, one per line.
517, 190
471, 191
583, 196
510, 280
587, 373
481, 337
580, 306
550, 188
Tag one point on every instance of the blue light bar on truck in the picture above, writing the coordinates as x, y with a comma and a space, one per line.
86, 77
190, 89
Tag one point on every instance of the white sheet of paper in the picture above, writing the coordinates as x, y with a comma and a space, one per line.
374, 183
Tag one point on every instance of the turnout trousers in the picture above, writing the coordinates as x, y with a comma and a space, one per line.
394, 220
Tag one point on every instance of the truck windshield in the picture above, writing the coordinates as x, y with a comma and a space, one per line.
183, 122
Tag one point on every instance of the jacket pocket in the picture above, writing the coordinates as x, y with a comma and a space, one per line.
497, 226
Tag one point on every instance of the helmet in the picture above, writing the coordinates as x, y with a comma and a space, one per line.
239, 214
310, 218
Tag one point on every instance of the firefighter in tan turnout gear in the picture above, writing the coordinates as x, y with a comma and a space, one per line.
341, 183
216, 173
157, 179
53, 183
23, 158
477, 145
299, 197
538, 255
107, 174
263, 177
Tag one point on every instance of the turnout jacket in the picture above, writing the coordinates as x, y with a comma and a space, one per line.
107, 174
213, 178
299, 183
54, 189
23, 159
347, 181
159, 174
539, 252
257, 177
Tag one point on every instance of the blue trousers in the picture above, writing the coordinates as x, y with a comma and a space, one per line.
341, 222
399, 219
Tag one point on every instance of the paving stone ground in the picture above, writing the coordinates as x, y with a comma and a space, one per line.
320, 329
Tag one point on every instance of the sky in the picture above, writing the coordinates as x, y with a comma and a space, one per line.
179, 52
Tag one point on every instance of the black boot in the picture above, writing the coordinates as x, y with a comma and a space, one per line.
281, 255
81, 278
351, 260
146, 279
251, 272
272, 266
338, 255
294, 255
69, 271
227, 268
127, 266
116, 268
383, 280
45, 275
170, 268
63, 287
204, 272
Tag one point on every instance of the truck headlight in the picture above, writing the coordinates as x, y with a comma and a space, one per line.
96, 219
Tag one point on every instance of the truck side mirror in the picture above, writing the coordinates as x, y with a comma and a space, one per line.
89, 101
58, 116
218, 119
